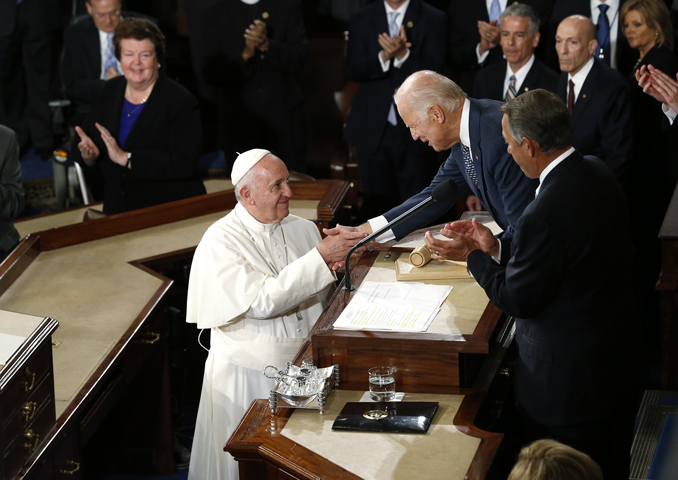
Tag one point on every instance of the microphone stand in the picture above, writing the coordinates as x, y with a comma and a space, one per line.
396, 221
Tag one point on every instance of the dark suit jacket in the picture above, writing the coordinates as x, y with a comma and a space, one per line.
504, 190
602, 122
164, 142
566, 277
489, 81
425, 28
563, 9
81, 64
463, 36
260, 99
11, 190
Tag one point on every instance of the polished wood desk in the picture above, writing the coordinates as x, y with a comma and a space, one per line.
431, 363
97, 279
464, 327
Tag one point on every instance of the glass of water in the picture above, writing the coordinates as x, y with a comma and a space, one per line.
382, 384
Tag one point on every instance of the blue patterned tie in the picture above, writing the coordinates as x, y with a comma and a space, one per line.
495, 11
393, 30
109, 56
511, 93
603, 36
393, 25
468, 163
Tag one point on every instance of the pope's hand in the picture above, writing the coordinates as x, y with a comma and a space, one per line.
335, 246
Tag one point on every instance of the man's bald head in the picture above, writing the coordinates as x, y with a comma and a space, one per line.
575, 43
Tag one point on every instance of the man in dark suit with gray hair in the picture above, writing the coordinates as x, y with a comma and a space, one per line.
565, 276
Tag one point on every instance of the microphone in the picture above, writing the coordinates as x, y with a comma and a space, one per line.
444, 191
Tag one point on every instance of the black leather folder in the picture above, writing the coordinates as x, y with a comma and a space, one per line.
392, 417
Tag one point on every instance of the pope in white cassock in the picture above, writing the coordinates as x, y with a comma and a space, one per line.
260, 278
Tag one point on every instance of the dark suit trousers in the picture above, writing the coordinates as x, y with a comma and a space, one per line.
391, 175
28, 63
607, 440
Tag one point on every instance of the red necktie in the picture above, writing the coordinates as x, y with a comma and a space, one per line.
570, 98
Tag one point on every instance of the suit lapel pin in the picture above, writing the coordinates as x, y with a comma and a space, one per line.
527, 89
264, 15
476, 157
583, 96
410, 24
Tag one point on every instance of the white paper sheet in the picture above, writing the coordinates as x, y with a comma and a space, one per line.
400, 307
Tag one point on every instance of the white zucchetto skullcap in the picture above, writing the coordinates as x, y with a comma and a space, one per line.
245, 162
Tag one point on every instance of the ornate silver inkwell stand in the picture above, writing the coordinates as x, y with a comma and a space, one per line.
301, 387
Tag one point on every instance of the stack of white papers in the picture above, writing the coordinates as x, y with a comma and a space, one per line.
395, 307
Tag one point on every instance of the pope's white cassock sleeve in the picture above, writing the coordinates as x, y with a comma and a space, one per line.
250, 312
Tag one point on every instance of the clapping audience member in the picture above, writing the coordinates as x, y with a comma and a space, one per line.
253, 51
143, 130
393, 165
521, 71
552, 460
648, 29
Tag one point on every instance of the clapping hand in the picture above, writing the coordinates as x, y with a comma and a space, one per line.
115, 153
656, 83
462, 238
490, 35
88, 150
256, 37
395, 46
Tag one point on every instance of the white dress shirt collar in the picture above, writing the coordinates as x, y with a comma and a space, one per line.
464, 127
520, 74
402, 10
550, 168
579, 78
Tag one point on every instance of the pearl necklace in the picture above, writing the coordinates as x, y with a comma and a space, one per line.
129, 114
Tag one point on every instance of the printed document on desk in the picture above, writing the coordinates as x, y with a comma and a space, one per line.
393, 307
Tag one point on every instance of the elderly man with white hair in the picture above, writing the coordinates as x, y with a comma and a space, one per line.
260, 279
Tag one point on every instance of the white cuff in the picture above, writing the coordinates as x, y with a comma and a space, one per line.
669, 112
498, 257
377, 223
384, 64
481, 58
397, 63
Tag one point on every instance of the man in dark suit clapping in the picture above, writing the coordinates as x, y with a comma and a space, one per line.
565, 275
388, 41
521, 71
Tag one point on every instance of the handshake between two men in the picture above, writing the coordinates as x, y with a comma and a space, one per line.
462, 237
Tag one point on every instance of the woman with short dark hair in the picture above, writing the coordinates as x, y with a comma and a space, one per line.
144, 129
